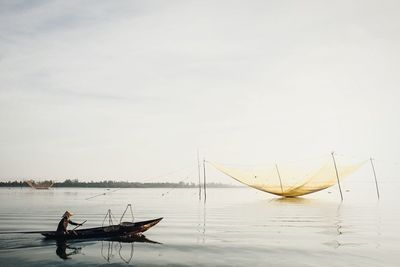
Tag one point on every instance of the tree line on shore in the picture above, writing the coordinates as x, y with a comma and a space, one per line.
113, 184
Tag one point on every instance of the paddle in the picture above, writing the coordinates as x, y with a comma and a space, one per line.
73, 230
79, 225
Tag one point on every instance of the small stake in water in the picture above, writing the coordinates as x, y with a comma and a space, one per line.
337, 175
198, 169
376, 182
204, 176
279, 175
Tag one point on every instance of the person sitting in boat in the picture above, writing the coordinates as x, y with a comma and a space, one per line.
63, 224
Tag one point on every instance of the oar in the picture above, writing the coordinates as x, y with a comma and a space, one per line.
73, 230
79, 225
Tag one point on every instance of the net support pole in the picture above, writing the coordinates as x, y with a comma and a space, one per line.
204, 176
279, 176
198, 170
376, 182
337, 176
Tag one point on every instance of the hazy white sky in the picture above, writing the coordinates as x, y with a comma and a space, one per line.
129, 90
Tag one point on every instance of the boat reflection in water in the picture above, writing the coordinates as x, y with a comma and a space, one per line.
109, 247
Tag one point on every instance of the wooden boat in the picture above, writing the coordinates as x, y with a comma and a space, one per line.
124, 229
40, 185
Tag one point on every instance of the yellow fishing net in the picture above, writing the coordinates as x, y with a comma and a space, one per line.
290, 180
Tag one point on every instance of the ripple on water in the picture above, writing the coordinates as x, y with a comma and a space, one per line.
235, 228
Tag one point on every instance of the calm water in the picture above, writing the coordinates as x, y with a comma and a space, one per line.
237, 227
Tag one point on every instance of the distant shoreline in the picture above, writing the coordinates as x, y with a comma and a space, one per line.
116, 184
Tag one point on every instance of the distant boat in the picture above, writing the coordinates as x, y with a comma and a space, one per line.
40, 185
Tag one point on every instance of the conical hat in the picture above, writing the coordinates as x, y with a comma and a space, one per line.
68, 214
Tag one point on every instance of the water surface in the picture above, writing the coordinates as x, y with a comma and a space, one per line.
236, 227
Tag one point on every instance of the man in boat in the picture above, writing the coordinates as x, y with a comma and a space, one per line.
63, 224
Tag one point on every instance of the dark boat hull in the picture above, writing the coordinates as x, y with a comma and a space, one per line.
120, 230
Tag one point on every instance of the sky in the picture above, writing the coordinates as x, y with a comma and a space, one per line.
130, 90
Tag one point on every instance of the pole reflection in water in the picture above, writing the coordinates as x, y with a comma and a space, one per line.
109, 248
201, 222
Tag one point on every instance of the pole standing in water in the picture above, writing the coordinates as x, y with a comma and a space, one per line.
376, 182
337, 176
279, 176
204, 176
198, 169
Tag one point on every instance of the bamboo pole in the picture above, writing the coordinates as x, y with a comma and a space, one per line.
198, 169
337, 175
204, 176
279, 175
376, 182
